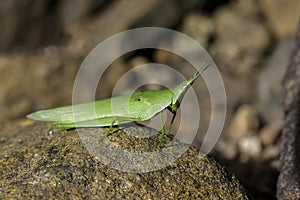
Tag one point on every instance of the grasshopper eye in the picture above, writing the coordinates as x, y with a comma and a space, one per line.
138, 99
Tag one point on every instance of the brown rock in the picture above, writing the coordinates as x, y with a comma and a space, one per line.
282, 16
38, 161
245, 122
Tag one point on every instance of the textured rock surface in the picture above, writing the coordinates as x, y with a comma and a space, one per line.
39, 161
288, 186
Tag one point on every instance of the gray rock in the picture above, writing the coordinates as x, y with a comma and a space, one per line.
269, 86
38, 161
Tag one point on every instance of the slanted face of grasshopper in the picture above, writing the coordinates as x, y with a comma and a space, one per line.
140, 106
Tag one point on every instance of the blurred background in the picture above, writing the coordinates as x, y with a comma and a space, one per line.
43, 42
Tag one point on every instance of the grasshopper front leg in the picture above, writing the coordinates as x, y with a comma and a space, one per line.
171, 123
162, 131
109, 131
163, 128
173, 108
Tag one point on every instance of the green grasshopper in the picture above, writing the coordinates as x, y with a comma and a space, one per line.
139, 106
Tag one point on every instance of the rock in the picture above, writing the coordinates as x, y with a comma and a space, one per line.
31, 82
38, 161
233, 27
229, 149
73, 11
239, 39
87, 33
271, 152
250, 148
288, 186
269, 86
269, 134
246, 8
31, 24
198, 27
245, 122
282, 16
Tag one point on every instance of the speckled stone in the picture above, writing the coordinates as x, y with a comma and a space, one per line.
38, 161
